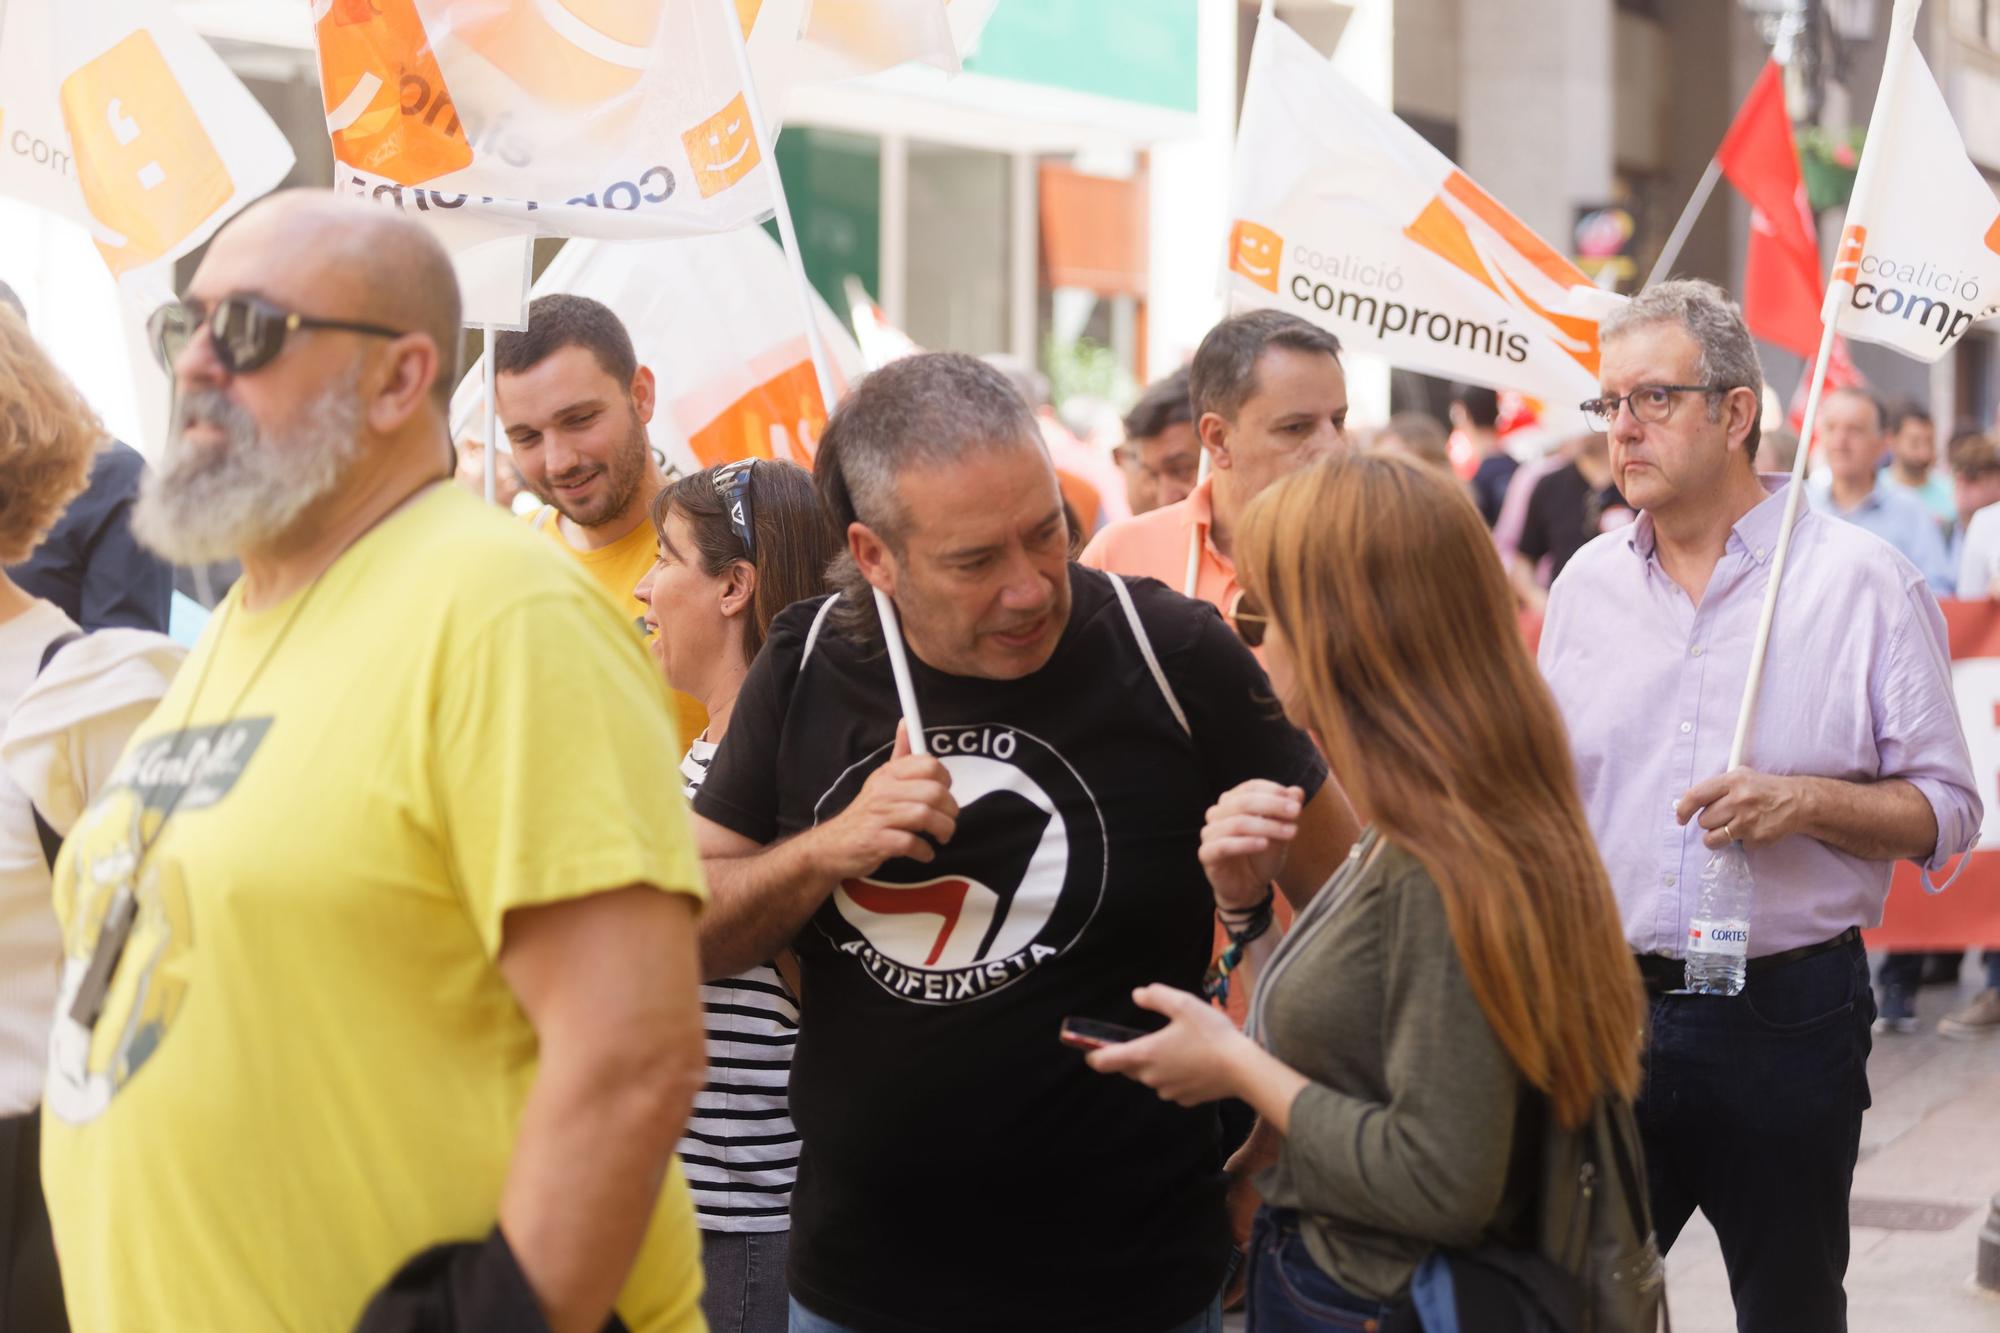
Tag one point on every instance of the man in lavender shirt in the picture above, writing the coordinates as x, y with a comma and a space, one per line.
1752, 1105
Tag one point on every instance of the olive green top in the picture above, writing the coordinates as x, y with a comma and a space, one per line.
1409, 1133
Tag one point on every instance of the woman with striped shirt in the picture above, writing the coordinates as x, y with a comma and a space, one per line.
737, 545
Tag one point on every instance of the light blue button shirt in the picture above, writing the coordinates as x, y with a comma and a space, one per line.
1857, 686
1901, 520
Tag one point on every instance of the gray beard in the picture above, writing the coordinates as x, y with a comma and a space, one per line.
196, 508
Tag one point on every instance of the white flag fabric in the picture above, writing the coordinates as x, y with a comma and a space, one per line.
717, 320
1923, 260
117, 116
1346, 217
613, 118
794, 43
880, 340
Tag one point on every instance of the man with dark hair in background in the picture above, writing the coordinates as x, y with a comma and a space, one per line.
1912, 466
1475, 412
89, 565
950, 910
1268, 397
1161, 454
574, 402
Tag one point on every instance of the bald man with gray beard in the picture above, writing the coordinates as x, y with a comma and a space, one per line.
379, 998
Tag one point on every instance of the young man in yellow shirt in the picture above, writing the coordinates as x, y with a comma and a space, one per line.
575, 402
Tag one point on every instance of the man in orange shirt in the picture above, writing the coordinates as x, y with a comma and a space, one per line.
1268, 397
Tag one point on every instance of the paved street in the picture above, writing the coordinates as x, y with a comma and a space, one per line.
1932, 1140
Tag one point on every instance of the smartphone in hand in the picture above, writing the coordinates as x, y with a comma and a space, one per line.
1090, 1034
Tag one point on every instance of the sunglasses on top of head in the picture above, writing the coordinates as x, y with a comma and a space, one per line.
245, 332
732, 485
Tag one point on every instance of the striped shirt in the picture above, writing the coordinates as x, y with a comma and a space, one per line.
740, 1152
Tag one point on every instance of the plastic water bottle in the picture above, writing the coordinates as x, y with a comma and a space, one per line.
1718, 946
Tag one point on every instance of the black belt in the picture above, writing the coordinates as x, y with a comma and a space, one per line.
1662, 974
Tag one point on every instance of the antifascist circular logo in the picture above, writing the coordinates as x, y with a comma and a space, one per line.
1017, 885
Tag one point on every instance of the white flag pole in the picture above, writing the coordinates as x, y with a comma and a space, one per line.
1202, 468
486, 376
1902, 26
892, 631
1194, 532
1678, 237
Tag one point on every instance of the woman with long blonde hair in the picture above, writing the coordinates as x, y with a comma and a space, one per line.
1464, 975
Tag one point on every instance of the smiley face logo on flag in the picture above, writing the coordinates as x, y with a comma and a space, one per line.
1254, 251
722, 149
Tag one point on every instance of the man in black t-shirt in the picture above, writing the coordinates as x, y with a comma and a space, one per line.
1567, 509
961, 1170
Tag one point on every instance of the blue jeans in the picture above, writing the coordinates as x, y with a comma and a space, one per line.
1751, 1112
745, 1276
1289, 1293
805, 1321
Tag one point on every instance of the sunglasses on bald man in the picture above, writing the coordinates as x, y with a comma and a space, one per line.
245, 332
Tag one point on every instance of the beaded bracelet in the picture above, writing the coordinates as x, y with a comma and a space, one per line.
1244, 926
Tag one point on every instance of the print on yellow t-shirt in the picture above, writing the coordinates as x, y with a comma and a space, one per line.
308, 1067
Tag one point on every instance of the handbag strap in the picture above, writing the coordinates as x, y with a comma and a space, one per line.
50, 839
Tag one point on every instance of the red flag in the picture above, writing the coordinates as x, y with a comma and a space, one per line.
1841, 373
1782, 286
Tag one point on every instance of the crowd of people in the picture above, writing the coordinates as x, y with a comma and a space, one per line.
566, 922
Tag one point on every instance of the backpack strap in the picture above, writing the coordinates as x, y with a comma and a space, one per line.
1124, 595
51, 840
540, 521
819, 622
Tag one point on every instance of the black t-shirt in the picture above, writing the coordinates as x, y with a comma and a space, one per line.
90, 565
1564, 513
961, 1169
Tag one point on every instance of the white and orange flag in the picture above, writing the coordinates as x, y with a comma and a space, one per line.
117, 116
796, 43
615, 118
716, 319
1919, 260
1345, 216
496, 121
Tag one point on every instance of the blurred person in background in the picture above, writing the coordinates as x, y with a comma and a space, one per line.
737, 544
1779, 451
1405, 1053
1161, 453
1475, 415
1417, 435
89, 566
1975, 484
470, 471
68, 701
1850, 437
1570, 504
1092, 484
1912, 462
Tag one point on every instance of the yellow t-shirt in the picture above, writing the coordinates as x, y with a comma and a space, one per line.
308, 1067
617, 569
